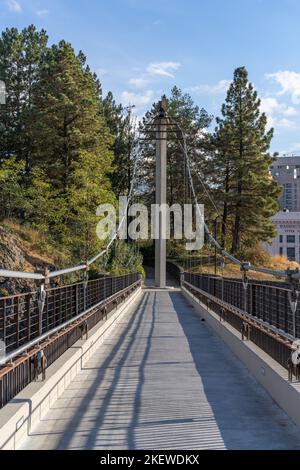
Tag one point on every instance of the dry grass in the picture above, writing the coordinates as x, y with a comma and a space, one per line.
35, 244
279, 263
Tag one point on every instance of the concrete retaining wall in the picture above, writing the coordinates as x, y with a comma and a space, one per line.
271, 375
25, 411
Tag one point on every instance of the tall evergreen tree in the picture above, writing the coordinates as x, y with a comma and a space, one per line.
192, 121
71, 144
20, 59
122, 126
241, 162
58, 141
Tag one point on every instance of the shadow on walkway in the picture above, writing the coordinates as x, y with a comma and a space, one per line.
131, 331
246, 415
167, 382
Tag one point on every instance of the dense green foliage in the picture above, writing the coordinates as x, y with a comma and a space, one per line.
65, 149
122, 127
192, 120
61, 141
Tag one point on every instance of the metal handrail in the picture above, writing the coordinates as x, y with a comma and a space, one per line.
32, 343
244, 314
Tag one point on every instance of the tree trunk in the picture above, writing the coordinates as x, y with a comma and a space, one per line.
225, 210
236, 232
236, 227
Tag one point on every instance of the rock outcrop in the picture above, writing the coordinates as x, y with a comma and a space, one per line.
15, 256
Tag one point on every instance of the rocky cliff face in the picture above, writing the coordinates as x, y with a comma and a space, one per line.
15, 255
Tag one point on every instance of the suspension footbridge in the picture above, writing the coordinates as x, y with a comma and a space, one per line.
163, 380
182, 361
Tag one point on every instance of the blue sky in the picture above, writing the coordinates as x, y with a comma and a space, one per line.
141, 48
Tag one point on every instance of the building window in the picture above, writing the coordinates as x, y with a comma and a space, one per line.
290, 238
281, 251
290, 253
281, 238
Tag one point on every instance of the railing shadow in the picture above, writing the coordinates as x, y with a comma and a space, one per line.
246, 416
93, 435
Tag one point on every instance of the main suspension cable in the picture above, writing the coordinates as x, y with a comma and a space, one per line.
83, 266
245, 266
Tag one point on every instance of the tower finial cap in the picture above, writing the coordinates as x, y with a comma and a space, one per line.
162, 105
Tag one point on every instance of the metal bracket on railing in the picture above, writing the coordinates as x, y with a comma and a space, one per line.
245, 331
294, 362
39, 362
245, 266
41, 299
222, 314
85, 283
85, 277
84, 328
293, 294
42, 364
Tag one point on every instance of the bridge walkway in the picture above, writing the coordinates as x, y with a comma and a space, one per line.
163, 380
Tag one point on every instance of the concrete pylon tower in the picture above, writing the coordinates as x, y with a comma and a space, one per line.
161, 193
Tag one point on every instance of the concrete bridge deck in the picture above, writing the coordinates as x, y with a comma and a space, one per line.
163, 380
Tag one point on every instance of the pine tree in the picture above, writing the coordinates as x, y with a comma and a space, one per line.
12, 195
58, 141
241, 161
71, 144
192, 121
122, 126
20, 59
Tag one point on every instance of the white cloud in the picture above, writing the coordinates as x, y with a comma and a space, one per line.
284, 122
289, 82
277, 112
163, 69
136, 99
138, 82
42, 13
269, 105
14, 6
218, 88
280, 122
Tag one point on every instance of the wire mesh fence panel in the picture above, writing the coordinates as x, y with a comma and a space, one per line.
274, 343
61, 304
21, 319
267, 301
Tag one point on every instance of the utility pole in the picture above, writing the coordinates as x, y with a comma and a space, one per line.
161, 194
